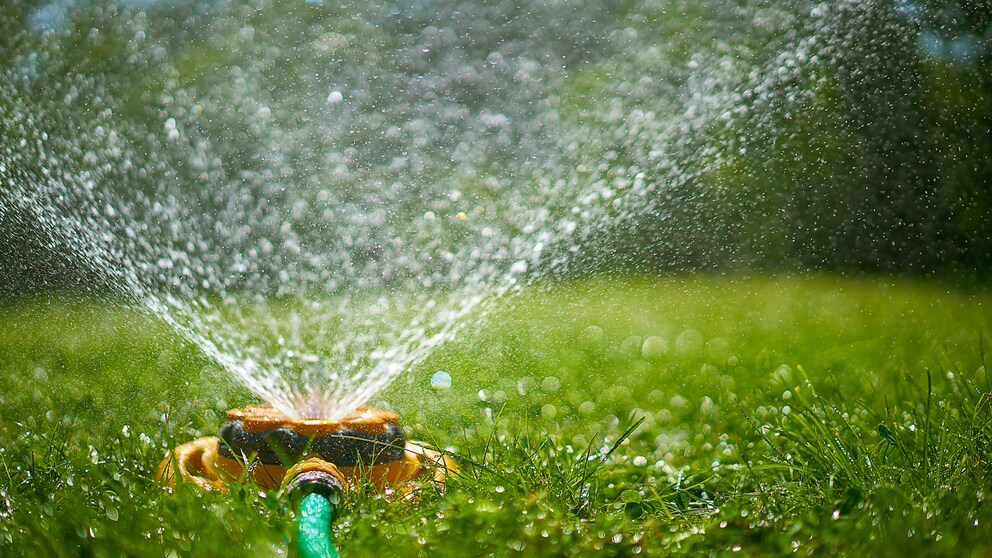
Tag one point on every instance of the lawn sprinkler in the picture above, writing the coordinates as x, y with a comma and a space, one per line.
311, 460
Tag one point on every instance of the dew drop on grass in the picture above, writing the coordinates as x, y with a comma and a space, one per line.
630, 496
783, 373
654, 347
689, 341
592, 335
550, 384
441, 380
524, 385
707, 406
630, 347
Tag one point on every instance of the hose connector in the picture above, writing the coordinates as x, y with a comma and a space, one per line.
314, 476
314, 487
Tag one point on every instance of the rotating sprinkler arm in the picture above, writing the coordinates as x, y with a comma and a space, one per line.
318, 486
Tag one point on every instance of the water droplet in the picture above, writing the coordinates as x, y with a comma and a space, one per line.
550, 384
707, 406
592, 335
441, 380
783, 373
630, 347
689, 341
654, 347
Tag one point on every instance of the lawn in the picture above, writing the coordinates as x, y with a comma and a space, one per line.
695, 415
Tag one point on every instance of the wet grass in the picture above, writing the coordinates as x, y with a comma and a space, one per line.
686, 415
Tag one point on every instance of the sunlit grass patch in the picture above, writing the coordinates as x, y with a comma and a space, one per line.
693, 415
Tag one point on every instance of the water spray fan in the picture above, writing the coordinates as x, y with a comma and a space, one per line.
312, 460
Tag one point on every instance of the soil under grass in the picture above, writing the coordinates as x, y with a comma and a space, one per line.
684, 415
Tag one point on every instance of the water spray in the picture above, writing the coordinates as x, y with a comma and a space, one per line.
312, 461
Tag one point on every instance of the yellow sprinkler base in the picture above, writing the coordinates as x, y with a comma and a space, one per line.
268, 451
199, 462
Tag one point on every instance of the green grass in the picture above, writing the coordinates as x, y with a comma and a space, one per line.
815, 415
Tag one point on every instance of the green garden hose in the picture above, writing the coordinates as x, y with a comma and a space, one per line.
314, 521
